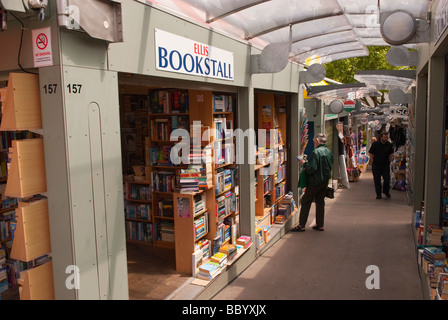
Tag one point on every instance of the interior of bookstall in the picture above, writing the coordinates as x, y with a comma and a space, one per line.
180, 180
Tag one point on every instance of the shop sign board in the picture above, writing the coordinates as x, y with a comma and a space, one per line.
398, 112
182, 55
42, 53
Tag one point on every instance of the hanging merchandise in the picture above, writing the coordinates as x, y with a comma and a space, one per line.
363, 160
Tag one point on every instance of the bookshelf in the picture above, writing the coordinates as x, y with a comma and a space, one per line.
216, 188
273, 204
25, 213
168, 112
138, 211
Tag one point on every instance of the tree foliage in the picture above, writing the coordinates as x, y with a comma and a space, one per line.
344, 70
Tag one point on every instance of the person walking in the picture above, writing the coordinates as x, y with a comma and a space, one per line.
318, 173
380, 156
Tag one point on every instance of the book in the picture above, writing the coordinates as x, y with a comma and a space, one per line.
197, 260
209, 268
220, 258
244, 241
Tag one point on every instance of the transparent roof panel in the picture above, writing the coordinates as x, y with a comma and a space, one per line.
387, 79
315, 24
342, 91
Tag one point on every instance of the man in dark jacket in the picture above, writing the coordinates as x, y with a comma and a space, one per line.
380, 157
318, 173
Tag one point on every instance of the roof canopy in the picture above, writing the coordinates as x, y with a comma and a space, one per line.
347, 91
322, 30
388, 79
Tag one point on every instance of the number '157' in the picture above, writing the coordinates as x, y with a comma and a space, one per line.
74, 88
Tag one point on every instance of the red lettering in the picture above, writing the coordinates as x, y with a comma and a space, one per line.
200, 49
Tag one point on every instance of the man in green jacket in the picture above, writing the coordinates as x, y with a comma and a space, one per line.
318, 173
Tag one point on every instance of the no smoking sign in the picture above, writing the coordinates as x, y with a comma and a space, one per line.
42, 53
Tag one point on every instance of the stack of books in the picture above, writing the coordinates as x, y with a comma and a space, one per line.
208, 270
203, 245
230, 250
285, 208
434, 235
189, 179
165, 231
244, 241
220, 258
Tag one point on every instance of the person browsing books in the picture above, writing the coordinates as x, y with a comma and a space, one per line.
318, 173
380, 156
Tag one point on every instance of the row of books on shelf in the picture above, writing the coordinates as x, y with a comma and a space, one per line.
10, 269
280, 174
6, 218
222, 103
223, 128
160, 156
164, 181
141, 231
224, 152
137, 192
280, 190
168, 101
262, 235
137, 211
226, 204
162, 127
164, 208
207, 267
201, 225
200, 203
224, 180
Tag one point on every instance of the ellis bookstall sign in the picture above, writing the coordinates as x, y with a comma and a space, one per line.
178, 54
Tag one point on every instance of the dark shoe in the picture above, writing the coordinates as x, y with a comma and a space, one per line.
298, 228
318, 228
378, 197
387, 195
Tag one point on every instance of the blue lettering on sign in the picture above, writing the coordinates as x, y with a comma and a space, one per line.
179, 60
163, 62
185, 62
207, 66
193, 64
198, 65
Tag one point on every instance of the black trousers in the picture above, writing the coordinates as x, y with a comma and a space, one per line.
317, 194
378, 172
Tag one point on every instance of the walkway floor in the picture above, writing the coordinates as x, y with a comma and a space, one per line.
360, 231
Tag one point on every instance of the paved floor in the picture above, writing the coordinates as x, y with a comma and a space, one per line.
360, 231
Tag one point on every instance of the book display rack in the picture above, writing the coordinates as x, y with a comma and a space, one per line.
274, 204
25, 223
